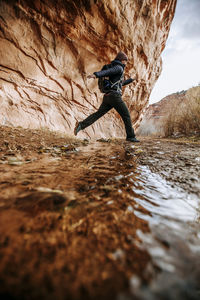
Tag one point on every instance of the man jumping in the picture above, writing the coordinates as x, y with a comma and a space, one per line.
113, 97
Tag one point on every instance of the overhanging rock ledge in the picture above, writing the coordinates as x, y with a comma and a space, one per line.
47, 48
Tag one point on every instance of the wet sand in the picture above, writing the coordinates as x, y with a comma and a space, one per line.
83, 219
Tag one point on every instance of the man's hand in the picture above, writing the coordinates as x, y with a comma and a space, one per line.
91, 76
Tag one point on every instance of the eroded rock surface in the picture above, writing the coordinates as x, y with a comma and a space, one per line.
48, 47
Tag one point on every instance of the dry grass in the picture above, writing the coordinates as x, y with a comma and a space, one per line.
184, 118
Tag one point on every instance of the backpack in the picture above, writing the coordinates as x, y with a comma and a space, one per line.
104, 84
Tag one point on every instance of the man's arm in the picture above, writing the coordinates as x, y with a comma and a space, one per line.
127, 81
111, 71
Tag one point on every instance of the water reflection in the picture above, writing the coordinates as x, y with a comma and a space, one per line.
162, 199
173, 242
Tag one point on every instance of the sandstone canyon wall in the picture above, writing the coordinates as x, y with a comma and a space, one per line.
47, 47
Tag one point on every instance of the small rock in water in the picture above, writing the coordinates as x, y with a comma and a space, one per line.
48, 190
102, 140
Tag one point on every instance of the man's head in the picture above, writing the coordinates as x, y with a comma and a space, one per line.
122, 57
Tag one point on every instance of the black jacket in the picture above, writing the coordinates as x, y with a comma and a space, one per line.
115, 73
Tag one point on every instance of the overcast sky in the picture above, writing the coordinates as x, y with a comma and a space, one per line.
181, 57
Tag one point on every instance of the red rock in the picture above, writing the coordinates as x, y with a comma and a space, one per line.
47, 47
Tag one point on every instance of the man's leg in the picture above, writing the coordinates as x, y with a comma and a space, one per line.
103, 109
122, 109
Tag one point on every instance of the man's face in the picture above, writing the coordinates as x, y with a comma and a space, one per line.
124, 62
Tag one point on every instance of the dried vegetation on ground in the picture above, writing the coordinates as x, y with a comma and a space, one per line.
184, 118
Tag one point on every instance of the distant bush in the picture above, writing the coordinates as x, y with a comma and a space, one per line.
184, 117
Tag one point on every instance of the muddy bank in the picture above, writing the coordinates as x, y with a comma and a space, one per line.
79, 219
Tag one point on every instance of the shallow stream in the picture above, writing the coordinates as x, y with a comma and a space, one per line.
173, 216
100, 220
173, 240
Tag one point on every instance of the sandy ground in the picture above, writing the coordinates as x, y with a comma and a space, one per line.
67, 230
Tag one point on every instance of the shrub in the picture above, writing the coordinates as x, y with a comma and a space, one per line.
183, 118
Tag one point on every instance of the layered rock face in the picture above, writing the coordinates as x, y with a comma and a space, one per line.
47, 48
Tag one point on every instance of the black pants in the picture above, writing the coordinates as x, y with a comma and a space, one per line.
111, 100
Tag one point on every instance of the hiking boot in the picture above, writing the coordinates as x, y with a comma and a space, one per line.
77, 128
133, 140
